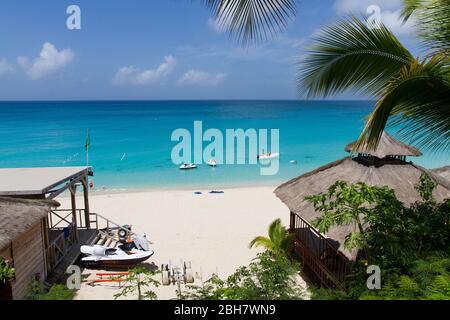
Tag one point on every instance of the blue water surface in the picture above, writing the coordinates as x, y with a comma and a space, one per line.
131, 140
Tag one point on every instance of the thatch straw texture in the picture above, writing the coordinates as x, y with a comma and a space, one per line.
19, 215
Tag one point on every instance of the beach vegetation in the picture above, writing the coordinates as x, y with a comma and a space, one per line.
7, 272
278, 242
411, 93
410, 244
268, 277
139, 282
38, 291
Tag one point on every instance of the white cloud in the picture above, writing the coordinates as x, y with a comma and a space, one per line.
5, 67
49, 61
389, 10
360, 6
394, 22
214, 25
201, 78
135, 76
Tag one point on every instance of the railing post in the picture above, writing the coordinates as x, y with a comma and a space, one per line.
73, 190
292, 222
86, 202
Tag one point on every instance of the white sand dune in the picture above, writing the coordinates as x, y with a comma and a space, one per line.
210, 230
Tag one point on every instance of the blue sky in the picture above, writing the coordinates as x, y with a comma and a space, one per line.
155, 49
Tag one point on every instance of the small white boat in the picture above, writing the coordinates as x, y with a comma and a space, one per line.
269, 155
188, 166
123, 256
212, 163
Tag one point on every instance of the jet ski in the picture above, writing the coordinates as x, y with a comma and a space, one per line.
127, 254
101, 256
188, 166
212, 163
267, 156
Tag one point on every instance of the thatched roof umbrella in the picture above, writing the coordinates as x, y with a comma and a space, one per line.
19, 215
384, 166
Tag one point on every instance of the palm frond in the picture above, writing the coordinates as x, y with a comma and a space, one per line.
433, 21
419, 99
263, 242
253, 21
351, 55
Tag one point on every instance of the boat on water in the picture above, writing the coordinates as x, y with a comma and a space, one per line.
268, 155
212, 163
188, 166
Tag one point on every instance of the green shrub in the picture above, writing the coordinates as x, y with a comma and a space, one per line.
6, 271
37, 291
268, 277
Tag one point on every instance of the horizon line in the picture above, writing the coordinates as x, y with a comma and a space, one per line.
178, 100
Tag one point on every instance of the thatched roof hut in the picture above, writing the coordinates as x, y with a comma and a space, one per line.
387, 147
23, 242
385, 166
443, 172
19, 215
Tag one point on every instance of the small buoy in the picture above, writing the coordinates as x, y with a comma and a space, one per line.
91, 184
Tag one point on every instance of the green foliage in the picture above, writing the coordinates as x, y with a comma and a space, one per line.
37, 291
279, 241
357, 204
6, 271
268, 277
434, 21
434, 284
138, 281
253, 21
392, 232
411, 245
59, 292
425, 187
412, 94
328, 294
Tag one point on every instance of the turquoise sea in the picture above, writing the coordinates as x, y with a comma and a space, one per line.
131, 140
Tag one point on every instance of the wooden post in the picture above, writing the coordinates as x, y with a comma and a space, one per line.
86, 202
73, 191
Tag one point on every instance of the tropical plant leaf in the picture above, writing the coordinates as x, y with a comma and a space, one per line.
253, 21
350, 55
419, 99
263, 242
433, 21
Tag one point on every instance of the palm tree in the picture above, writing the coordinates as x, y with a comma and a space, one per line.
279, 240
409, 91
253, 21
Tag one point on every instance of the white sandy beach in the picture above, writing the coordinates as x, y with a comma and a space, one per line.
210, 230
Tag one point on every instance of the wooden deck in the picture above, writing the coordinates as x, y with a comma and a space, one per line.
86, 237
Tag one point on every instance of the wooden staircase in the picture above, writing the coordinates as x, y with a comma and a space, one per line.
102, 232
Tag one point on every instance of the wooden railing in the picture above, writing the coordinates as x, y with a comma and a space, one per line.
60, 246
67, 228
321, 260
